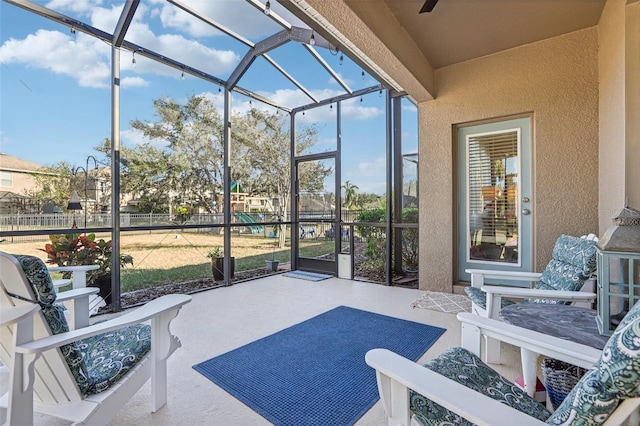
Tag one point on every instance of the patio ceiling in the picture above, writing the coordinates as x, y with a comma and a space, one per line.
237, 39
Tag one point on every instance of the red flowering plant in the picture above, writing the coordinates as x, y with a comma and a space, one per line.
76, 249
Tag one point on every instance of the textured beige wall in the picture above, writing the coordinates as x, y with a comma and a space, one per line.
556, 81
632, 104
611, 70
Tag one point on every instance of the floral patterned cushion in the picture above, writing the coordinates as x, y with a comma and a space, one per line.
99, 361
479, 297
465, 368
573, 261
109, 356
42, 286
615, 377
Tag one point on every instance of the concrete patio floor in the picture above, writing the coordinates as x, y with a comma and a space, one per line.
217, 321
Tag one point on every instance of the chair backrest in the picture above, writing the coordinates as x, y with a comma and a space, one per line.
614, 378
26, 280
573, 262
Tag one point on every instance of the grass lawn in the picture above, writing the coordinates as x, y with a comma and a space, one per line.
172, 257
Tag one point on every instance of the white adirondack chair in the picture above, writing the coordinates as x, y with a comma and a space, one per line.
569, 254
405, 385
42, 380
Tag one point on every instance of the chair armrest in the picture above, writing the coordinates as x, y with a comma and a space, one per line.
155, 308
395, 374
76, 268
17, 313
521, 276
79, 273
495, 294
76, 294
479, 275
554, 347
77, 303
538, 294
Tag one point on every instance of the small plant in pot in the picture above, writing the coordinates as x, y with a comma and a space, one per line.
76, 249
217, 263
272, 264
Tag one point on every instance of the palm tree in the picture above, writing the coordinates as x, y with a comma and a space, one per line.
350, 194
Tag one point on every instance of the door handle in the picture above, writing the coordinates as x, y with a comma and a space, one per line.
526, 211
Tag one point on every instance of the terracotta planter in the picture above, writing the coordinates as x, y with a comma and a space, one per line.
217, 268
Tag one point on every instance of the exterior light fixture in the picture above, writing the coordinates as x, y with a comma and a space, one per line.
341, 59
72, 30
133, 59
362, 74
267, 8
74, 202
312, 40
74, 205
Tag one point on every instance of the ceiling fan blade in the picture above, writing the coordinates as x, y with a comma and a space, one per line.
428, 6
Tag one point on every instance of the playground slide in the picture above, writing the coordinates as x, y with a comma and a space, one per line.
247, 218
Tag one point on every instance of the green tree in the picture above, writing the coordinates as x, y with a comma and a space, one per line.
189, 170
55, 185
146, 174
263, 140
369, 201
350, 194
376, 238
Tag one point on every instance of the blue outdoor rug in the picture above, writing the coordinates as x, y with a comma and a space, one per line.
314, 373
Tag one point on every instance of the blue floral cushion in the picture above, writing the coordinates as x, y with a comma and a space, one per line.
573, 261
467, 369
96, 362
109, 356
615, 377
42, 286
479, 297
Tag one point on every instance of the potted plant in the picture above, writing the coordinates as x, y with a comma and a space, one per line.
76, 249
216, 255
272, 264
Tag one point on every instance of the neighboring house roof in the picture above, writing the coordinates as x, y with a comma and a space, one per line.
15, 164
7, 196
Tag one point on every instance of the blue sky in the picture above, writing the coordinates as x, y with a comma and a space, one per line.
56, 100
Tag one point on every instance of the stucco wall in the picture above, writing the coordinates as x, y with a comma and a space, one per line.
555, 80
619, 73
611, 71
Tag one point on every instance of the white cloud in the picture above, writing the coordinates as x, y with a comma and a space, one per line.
408, 106
240, 17
133, 137
88, 60
133, 82
368, 175
77, 6
79, 56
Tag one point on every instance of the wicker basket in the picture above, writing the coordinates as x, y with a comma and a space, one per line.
559, 378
